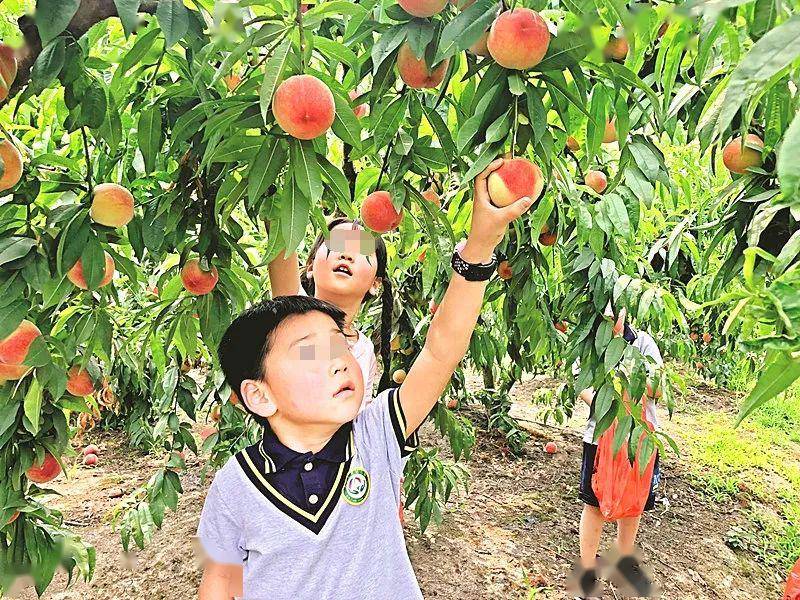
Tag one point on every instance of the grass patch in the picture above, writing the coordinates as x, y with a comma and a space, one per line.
760, 460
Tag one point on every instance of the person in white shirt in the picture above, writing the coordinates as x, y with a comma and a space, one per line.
591, 525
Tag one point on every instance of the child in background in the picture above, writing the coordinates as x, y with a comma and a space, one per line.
591, 525
345, 268
311, 511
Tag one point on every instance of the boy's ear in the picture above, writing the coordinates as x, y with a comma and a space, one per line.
257, 397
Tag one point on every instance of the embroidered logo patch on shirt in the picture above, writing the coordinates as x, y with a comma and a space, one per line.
356, 486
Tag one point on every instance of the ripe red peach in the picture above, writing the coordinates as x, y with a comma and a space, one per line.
79, 382
415, 72
15, 346
378, 213
8, 69
739, 159
515, 179
360, 110
616, 49
596, 180
12, 164
422, 8
518, 39
46, 471
75, 274
504, 270
303, 107
197, 281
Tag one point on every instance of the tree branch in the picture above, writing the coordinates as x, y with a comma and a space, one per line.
89, 13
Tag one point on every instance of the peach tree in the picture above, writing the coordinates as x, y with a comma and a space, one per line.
153, 166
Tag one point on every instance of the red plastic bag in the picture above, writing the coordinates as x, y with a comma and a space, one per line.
793, 583
621, 489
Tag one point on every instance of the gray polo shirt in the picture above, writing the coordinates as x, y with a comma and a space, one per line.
344, 550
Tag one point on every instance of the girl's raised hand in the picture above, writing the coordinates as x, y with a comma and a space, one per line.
489, 223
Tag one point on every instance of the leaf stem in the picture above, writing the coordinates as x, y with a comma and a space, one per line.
88, 159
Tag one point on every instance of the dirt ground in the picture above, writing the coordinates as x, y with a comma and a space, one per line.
513, 535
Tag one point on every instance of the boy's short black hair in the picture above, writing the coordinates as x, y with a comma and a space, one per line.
246, 342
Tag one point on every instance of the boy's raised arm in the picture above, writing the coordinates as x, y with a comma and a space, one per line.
284, 275
452, 325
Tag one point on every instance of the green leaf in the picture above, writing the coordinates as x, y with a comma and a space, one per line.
618, 213
387, 43
389, 122
270, 159
14, 248
596, 125
33, 406
346, 126
173, 17
788, 166
768, 56
565, 50
419, 33
53, 16
11, 316
780, 372
128, 14
306, 169
603, 337
150, 135
614, 351
465, 29
46, 68
764, 13
294, 215
93, 262
273, 70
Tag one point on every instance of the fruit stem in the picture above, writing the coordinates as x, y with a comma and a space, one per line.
299, 19
516, 124
88, 160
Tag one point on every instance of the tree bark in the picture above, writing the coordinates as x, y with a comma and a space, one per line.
89, 13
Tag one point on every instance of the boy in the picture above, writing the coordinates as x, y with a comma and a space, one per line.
591, 525
311, 510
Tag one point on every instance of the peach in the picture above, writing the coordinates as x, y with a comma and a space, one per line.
378, 213
8, 69
573, 144
596, 180
422, 8
415, 71
610, 132
480, 47
399, 376
561, 326
112, 205
431, 196
547, 237
197, 281
738, 158
75, 274
706, 338
207, 431
14, 348
91, 449
518, 39
693, 336
616, 49
504, 270
232, 81
303, 107
452, 403
515, 179
48, 470
79, 382
361, 109
90, 460
12, 165
216, 414
11, 372
550, 448
234, 398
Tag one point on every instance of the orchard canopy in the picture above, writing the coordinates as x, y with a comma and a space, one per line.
158, 154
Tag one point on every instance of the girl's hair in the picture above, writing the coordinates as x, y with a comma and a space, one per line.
386, 293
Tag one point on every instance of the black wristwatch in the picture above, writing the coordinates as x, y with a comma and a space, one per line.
472, 271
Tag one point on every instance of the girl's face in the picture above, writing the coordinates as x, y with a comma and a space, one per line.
345, 264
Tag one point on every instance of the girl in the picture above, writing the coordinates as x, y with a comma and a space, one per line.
345, 268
